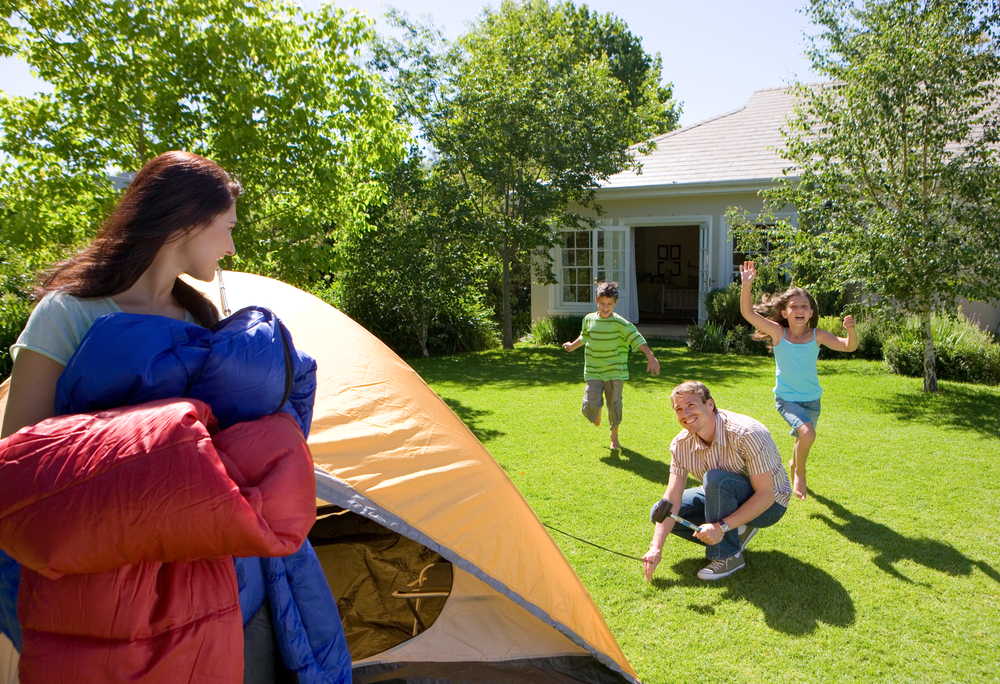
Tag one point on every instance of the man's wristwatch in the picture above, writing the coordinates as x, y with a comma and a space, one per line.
724, 527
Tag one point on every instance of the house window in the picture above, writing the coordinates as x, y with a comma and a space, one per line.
576, 269
589, 257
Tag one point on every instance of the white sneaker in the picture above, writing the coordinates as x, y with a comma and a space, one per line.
724, 567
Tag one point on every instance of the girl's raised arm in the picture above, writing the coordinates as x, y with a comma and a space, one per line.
747, 275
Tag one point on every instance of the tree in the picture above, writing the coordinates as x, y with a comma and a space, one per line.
274, 94
895, 172
418, 267
543, 103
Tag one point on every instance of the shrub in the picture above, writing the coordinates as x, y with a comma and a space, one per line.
566, 328
14, 312
709, 338
542, 332
964, 353
722, 306
467, 326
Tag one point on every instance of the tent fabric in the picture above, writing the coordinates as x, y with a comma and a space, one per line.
389, 449
386, 447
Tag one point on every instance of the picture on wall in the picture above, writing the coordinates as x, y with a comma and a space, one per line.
675, 252
663, 251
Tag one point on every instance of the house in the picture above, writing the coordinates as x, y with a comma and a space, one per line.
664, 235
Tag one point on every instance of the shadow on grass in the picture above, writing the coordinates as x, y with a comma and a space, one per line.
893, 547
470, 416
794, 597
966, 407
541, 366
651, 469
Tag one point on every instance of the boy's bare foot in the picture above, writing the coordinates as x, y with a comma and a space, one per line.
799, 484
597, 423
614, 438
615, 446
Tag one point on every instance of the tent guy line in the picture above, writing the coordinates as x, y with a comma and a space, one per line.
603, 548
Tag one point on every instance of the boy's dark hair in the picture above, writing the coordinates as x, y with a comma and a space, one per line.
607, 290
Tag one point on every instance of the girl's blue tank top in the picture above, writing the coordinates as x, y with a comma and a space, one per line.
795, 370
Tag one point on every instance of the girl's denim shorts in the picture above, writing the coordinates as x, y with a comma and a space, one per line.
798, 413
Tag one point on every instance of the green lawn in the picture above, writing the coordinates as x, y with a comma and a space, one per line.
889, 572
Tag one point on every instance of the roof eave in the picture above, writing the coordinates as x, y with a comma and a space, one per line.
674, 189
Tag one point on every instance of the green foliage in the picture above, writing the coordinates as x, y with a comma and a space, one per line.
725, 331
556, 329
965, 353
15, 303
565, 94
722, 306
542, 332
894, 163
707, 339
416, 277
273, 93
566, 328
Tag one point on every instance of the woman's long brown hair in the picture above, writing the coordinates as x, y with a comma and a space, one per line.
172, 195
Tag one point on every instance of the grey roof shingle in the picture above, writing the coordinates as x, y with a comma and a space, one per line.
738, 146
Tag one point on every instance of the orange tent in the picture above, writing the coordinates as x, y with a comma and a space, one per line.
388, 449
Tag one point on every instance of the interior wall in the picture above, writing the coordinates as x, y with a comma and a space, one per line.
668, 255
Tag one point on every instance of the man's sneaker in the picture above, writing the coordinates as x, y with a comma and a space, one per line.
745, 534
718, 569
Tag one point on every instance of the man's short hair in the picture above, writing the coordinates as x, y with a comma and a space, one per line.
693, 387
607, 290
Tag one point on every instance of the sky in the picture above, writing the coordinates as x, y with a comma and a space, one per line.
715, 52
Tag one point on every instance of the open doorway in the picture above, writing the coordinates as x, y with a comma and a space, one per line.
666, 264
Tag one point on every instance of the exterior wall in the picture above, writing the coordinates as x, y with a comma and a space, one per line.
705, 209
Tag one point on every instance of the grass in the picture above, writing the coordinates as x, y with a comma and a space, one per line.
889, 572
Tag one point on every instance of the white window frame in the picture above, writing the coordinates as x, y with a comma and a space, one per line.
598, 271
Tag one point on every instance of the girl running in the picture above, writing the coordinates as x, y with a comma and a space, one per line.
789, 328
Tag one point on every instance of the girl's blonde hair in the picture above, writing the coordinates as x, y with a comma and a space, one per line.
771, 307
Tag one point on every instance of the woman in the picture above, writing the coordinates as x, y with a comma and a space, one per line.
165, 607
176, 217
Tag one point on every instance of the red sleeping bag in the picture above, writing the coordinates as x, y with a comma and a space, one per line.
131, 517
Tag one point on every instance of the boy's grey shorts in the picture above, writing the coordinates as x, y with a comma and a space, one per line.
593, 400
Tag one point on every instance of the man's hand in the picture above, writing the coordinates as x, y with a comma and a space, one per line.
650, 561
710, 533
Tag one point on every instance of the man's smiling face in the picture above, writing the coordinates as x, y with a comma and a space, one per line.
692, 413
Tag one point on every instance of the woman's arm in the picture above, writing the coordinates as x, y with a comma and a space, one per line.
774, 330
841, 344
32, 395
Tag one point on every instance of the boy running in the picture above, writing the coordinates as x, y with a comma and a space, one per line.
608, 338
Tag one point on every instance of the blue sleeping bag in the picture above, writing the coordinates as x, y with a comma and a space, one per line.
245, 368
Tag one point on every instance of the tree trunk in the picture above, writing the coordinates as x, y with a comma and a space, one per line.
508, 332
930, 375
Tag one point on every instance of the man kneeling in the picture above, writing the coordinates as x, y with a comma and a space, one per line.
744, 483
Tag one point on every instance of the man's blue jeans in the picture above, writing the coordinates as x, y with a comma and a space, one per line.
721, 493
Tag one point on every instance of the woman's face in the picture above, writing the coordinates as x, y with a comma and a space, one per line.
202, 248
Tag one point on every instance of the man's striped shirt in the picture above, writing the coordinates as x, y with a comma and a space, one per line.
608, 341
742, 445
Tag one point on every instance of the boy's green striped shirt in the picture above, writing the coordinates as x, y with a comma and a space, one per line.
607, 343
